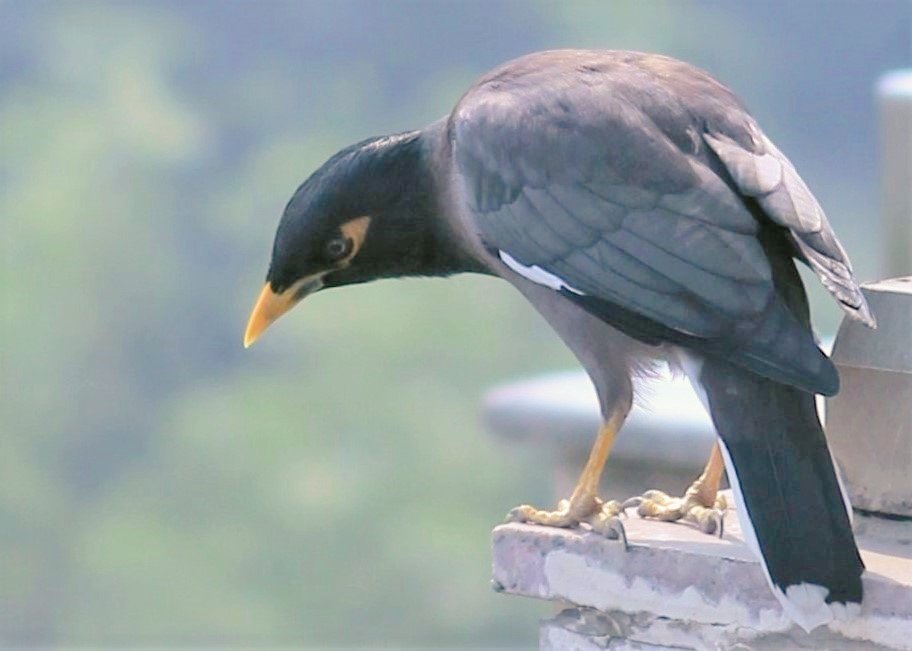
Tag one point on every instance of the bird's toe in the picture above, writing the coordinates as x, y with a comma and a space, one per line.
721, 503
569, 513
521, 513
709, 517
711, 521
658, 505
607, 523
560, 518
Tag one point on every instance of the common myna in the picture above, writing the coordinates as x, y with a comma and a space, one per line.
635, 202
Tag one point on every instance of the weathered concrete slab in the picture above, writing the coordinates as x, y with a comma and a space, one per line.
676, 572
584, 629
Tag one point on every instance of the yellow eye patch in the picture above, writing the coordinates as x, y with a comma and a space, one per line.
356, 231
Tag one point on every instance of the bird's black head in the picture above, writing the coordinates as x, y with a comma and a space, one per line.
369, 212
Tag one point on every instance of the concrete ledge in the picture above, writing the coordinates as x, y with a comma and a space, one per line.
585, 629
710, 588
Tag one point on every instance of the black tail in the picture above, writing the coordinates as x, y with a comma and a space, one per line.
789, 489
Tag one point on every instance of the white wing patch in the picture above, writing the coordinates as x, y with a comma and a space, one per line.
536, 274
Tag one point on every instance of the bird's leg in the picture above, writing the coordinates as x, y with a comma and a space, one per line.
584, 505
701, 503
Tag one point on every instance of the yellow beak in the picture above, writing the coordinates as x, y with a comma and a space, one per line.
270, 306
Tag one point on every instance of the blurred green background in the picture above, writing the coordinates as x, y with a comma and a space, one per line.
332, 485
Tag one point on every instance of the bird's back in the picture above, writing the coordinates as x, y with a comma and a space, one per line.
591, 84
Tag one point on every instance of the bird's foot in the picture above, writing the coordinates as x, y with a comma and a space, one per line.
600, 515
707, 512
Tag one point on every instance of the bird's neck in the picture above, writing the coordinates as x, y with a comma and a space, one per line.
412, 236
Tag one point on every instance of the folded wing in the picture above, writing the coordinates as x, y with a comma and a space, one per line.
584, 185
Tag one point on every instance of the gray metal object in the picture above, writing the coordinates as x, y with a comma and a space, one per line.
895, 93
869, 423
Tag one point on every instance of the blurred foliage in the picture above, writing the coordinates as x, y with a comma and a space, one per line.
332, 485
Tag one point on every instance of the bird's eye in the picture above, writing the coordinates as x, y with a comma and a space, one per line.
338, 248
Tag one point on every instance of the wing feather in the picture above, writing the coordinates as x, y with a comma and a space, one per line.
765, 174
560, 220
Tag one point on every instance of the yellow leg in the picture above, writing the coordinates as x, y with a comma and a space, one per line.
706, 488
584, 504
701, 503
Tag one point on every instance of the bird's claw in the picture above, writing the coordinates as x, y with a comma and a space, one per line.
569, 513
607, 522
558, 518
709, 518
714, 522
517, 514
602, 517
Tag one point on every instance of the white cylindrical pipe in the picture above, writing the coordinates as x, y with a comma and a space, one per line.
895, 96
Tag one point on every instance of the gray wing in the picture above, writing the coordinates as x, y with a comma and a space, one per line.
763, 172
583, 190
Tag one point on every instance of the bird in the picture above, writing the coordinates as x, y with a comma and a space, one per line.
635, 202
